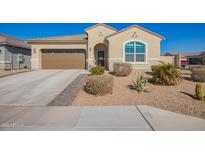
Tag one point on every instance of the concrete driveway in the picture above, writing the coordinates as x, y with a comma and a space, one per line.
35, 88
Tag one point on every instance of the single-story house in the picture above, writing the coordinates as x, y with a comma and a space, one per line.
197, 59
192, 58
14, 53
100, 45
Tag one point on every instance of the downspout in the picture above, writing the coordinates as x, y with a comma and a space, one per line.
11, 60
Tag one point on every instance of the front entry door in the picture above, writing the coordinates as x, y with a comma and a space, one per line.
101, 58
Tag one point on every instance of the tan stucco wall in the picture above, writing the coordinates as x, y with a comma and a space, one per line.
117, 42
95, 36
115, 46
167, 59
37, 48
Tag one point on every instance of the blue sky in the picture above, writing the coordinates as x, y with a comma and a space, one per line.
179, 37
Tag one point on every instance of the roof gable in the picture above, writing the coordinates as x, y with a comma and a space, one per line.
94, 26
4, 39
135, 26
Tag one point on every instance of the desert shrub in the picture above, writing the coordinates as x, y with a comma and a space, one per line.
167, 74
97, 70
122, 69
99, 84
140, 84
154, 67
198, 74
199, 90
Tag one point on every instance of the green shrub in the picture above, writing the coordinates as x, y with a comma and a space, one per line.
122, 69
97, 70
167, 74
199, 90
154, 67
198, 74
140, 84
99, 84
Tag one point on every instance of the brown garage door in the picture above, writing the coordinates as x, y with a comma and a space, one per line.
63, 59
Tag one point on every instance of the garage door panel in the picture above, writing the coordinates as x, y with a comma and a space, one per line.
63, 60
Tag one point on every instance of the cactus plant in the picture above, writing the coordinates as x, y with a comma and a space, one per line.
140, 84
199, 90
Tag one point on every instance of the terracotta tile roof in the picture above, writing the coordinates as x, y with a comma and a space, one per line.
136, 27
13, 41
69, 38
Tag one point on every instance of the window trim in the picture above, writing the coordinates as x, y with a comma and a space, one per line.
146, 51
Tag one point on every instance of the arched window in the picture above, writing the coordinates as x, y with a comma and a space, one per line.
134, 52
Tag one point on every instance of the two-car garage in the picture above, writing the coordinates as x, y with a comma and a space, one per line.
61, 52
63, 59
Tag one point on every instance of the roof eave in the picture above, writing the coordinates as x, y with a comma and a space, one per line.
162, 37
15, 45
58, 41
58, 38
100, 24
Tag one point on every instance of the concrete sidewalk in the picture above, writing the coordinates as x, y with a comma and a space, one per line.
142, 118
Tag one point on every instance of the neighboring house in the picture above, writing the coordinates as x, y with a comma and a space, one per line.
14, 53
100, 45
192, 58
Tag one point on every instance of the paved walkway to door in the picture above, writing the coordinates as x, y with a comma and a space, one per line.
142, 118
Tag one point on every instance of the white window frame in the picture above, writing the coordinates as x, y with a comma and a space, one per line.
146, 51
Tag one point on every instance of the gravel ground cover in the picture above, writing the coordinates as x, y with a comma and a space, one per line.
173, 98
66, 97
